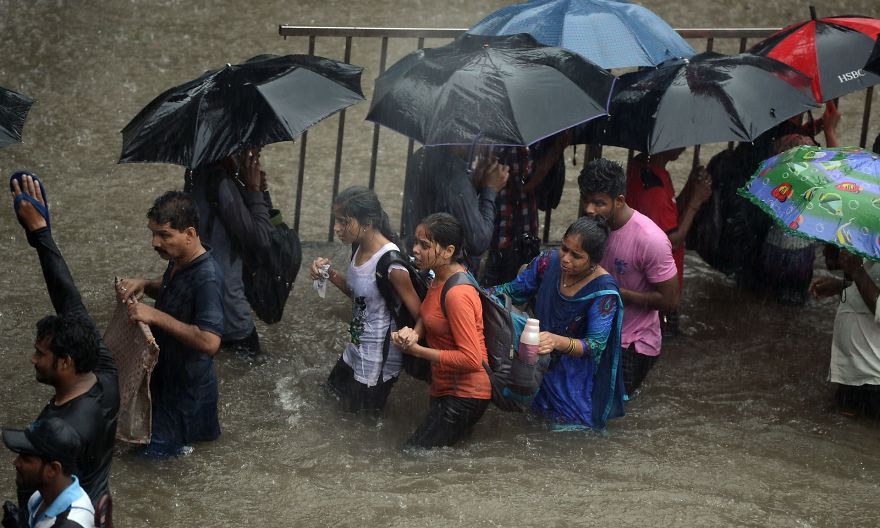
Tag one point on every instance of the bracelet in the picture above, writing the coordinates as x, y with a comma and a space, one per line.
570, 348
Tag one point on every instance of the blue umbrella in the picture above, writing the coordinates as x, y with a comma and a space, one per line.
610, 34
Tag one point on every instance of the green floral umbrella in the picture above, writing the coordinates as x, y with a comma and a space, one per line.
827, 194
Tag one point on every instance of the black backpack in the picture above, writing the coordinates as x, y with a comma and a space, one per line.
267, 277
416, 367
514, 383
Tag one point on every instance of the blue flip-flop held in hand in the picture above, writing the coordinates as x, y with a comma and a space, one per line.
43, 209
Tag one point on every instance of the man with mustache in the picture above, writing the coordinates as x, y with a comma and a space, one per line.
187, 322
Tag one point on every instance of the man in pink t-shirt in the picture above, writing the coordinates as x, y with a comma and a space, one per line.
639, 255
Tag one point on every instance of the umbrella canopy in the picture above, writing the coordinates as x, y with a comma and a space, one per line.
492, 90
705, 99
831, 50
13, 111
264, 100
873, 65
611, 34
826, 194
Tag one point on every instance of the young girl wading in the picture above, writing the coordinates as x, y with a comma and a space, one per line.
369, 365
460, 387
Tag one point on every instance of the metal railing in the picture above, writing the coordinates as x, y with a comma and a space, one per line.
711, 36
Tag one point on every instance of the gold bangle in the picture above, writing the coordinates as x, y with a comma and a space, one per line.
570, 348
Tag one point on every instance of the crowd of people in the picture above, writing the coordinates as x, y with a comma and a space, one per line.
601, 298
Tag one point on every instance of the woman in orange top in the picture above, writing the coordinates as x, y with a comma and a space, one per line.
460, 387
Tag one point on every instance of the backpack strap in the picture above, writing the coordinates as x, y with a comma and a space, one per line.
386, 290
458, 278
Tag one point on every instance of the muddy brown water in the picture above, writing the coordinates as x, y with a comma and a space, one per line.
735, 426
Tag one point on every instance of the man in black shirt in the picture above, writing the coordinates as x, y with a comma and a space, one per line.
69, 353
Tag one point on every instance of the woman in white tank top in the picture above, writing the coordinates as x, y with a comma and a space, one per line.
369, 365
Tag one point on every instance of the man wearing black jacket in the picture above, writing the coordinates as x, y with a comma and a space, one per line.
69, 353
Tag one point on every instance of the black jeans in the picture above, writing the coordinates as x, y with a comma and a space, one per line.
248, 347
635, 368
449, 420
357, 396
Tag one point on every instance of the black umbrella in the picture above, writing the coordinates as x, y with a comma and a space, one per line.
705, 99
506, 90
263, 100
13, 111
873, 64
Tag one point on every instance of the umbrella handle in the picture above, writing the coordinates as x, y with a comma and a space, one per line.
472, 152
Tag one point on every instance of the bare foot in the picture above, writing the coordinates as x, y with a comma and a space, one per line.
27, 213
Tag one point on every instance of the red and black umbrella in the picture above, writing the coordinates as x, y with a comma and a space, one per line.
833, 51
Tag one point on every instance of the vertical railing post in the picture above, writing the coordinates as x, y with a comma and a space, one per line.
374, 153
337, 169
301, 170
866, 117
409, 150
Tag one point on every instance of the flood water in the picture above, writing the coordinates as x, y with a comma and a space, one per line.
734, 427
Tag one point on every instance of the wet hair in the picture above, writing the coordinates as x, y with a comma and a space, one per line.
445, 230
790, 141
73, 337
176, 209
876, 146
602, 176
593, 232
363, 205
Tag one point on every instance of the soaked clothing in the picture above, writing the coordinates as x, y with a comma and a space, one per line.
459, 338
72, 508
438, 181
635, 368
184, 384
449, 421
239, 222
358, 397
585, 390
369, 352
93, 414
855, 346
638, 255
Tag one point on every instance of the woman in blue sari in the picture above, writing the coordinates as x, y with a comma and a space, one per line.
579, 306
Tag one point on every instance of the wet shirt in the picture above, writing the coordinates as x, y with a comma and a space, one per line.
855, 345
588, 389
459, 337
371, 323
638, 255
240, 221
438, 181
184, 384
649, 191
92, 414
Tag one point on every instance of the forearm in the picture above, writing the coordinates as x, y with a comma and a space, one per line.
653, 300
431, 354
59, 281
337, 278
480, 224
190, 335
685, 221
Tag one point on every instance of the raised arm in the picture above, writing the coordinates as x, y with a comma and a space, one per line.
62, 290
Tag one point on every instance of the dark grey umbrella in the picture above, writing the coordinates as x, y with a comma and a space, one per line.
14, 109
708, 98
495, 90
261, 101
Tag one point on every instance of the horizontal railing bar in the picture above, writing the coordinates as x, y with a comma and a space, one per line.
341, 31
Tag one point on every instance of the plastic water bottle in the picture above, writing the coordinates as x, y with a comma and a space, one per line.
528, 342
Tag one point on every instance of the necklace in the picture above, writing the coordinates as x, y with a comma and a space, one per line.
590, 271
